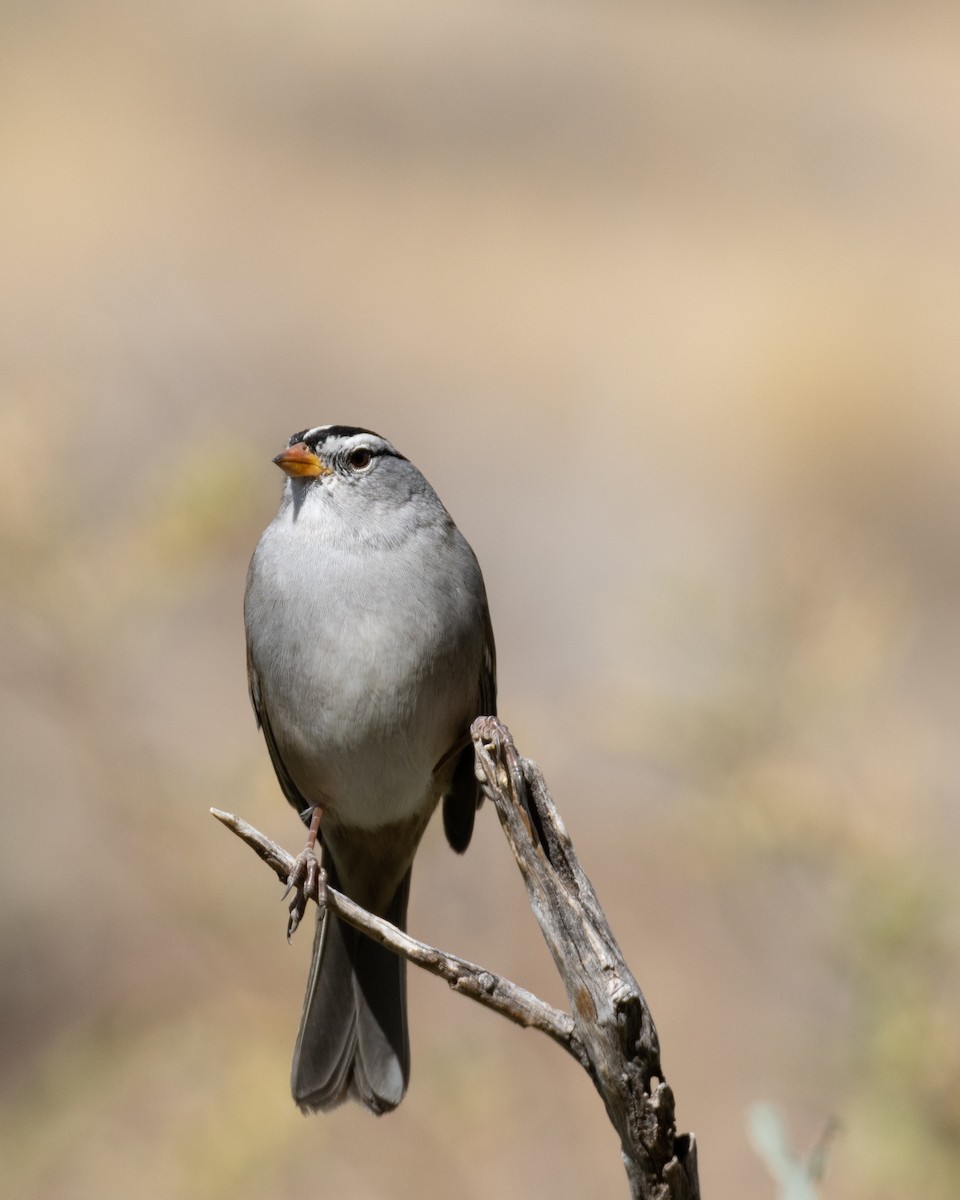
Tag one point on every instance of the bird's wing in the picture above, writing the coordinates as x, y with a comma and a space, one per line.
284, 778
465, 796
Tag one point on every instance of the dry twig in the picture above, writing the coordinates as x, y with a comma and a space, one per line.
611, 1032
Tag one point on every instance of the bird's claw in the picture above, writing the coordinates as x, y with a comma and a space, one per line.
307, 881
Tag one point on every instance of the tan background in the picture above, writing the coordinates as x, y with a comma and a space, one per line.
663, 299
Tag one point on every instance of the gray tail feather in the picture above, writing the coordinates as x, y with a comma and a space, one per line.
353, 1040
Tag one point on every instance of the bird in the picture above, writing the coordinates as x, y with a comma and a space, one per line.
370, 652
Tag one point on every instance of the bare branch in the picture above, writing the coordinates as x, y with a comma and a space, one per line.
487, 988
611, 1033
612, 1018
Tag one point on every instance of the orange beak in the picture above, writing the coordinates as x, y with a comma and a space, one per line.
298, 461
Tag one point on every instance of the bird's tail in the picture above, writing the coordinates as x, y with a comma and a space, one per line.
353, 1042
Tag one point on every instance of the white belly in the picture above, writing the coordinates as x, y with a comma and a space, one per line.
368, 673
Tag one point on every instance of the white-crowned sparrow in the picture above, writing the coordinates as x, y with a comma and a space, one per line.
370, 652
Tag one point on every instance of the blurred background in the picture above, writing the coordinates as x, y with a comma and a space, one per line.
664, 301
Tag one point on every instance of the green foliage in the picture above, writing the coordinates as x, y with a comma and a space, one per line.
796, 1177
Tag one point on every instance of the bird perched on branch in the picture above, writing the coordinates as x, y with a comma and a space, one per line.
369, 652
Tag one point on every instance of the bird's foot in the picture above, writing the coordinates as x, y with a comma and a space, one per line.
307, 881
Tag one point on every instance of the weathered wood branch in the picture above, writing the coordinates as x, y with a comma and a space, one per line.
612, 1018
511, 1001
611, 1032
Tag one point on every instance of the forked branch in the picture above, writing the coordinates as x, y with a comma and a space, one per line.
493, 991
611, 1032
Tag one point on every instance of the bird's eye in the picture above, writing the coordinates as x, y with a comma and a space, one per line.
360, 459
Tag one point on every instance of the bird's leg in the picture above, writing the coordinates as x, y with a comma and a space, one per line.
307, 880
